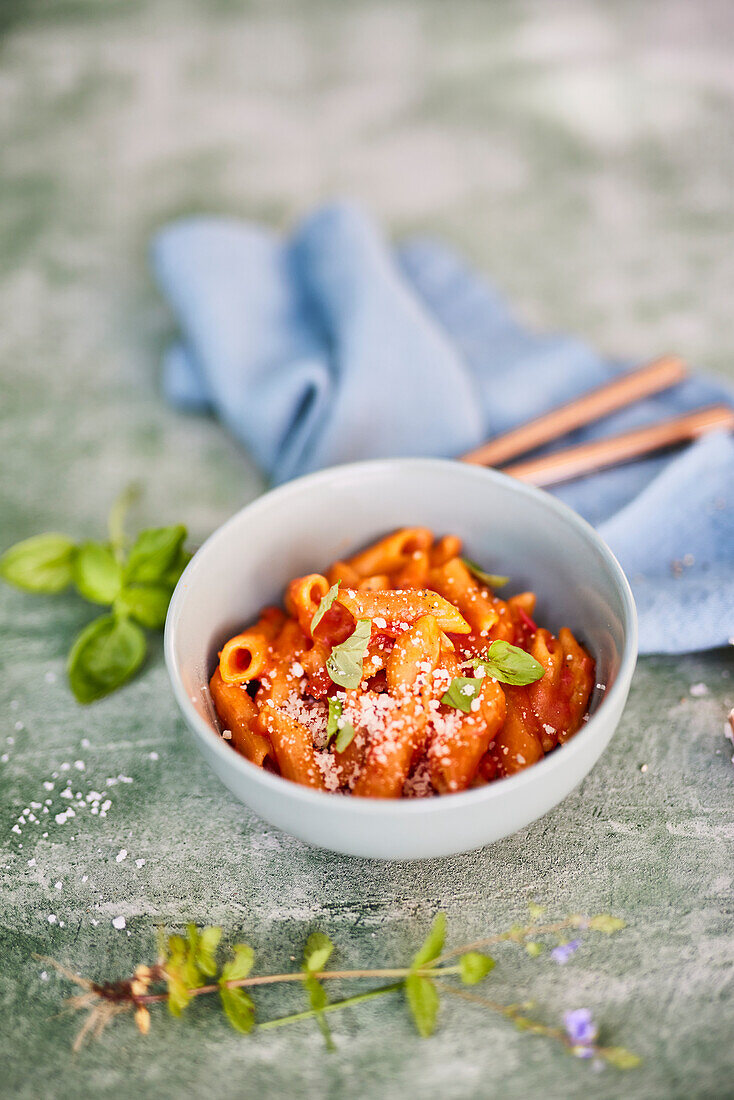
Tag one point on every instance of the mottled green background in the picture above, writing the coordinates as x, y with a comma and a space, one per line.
582, 154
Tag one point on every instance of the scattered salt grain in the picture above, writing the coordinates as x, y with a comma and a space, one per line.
48, 785
18, 727
122, 854
140, 863
60, 819
697, 690
643, 767
44, 976
86, 743
5, 757
118, 922
52, 918
79, 765
65, 767
31, 863
58, 885
85, 878
152, 755
50, 677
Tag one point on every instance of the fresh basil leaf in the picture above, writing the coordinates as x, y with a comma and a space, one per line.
317, 952
332, 723
326, 602
474, 967
172, 576
432, 946
510, 664
146, 603
97, 573
423, 1002
345, 662
462, 691
43, 563
153, 554
494, 580
106, 654
345, 736
240, 966
338, 727
239, 1008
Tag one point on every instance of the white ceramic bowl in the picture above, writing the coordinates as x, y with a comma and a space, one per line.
306, 524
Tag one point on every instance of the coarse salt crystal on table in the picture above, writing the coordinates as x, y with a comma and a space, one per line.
122, 854
697, 690
118, 922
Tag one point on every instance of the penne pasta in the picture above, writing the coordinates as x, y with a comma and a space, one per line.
417, 680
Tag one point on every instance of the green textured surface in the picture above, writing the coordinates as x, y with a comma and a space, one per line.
582, 153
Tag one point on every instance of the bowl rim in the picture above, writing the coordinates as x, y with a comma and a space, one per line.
368, 807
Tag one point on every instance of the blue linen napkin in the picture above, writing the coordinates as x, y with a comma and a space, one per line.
329, 346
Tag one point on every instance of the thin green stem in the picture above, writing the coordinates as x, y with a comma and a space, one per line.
333, 1006
116, 522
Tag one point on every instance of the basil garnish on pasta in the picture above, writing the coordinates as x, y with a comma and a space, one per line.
494, 580
345, 662
509, 664
338, 727
462, 691
326, 602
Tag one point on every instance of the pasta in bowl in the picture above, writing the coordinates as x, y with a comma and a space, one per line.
400, 672
283, 743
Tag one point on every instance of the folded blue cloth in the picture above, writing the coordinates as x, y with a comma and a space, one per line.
329, 346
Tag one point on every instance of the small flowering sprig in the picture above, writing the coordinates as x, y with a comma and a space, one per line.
185, 963
134, 580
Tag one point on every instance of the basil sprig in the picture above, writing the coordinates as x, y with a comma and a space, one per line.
494, 580
345, 663
135, 583
504, 662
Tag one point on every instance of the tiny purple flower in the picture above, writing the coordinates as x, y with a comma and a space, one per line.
564, 951
580, 1029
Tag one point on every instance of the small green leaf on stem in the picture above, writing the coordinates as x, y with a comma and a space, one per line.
104, 656
432, 945
423, 1002
620, 1057
43, 563
240, 966
474, 967
603, 922
239, 1008
97, 573
317, 952
206, 950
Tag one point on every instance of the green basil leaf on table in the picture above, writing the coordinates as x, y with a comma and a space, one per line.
97, 573
493, 580
43, 563
146, 603
510, 664
106, 654
345, 662
153, 554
